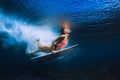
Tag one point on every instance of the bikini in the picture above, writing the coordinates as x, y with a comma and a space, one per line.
62, 44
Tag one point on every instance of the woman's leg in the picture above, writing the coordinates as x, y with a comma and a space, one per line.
46, 48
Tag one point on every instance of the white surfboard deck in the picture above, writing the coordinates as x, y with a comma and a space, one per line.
57, 54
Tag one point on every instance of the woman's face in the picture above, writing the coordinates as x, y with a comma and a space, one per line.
66, 30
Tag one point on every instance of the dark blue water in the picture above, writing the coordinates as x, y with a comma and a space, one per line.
95, 27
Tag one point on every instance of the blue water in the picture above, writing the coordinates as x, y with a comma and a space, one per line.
95, 27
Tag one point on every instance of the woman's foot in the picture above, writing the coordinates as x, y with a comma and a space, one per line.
32, 52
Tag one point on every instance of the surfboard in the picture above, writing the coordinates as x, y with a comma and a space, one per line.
58, 53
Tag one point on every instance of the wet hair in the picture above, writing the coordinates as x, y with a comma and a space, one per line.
62, 31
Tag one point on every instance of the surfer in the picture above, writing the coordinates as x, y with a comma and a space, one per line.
56, 44
62, 40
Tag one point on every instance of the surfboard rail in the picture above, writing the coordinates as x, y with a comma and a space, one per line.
57, 54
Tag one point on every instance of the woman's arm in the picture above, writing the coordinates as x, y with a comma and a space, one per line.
59, 39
